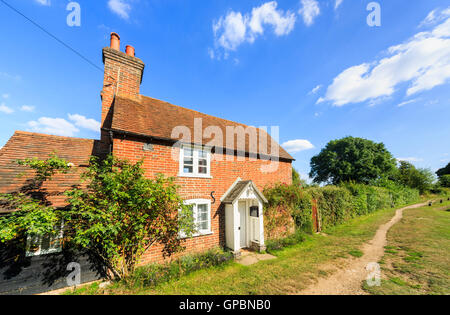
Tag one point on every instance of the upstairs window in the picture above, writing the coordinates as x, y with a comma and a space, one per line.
195, 162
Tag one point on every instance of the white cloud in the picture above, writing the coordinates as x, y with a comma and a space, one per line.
43, 2
10, 76
407, 102
235, 28
316, 89
26, 108
62, 127
410, 159
309, 11
232, 30
435, 16
423, 61
5, 109
121, 7
83, 122
267, 14
53, 126
338, 4
299, 145
5, 96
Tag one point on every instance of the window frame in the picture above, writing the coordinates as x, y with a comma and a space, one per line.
195, 203
195, 165
51, 250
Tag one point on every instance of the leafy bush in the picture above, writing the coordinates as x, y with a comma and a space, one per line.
122, 214
155, 274
278, 219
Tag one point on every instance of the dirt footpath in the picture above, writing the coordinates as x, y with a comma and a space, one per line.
347, 281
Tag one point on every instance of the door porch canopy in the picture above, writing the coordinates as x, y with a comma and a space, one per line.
244, 222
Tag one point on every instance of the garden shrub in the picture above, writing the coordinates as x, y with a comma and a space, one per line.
278, 219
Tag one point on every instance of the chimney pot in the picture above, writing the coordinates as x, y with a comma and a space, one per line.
115, 41
129, 50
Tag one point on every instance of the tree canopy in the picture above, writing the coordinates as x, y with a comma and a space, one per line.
409, 175
352, 159
444, 171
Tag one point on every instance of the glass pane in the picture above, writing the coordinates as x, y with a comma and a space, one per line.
34, 243
203, 170
203, 225
189, 161
202, 162
202, 217
202, 208
188, 169
202, 154
188, 152
45, 244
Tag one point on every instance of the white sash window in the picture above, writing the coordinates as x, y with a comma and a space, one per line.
195, 162
201, 209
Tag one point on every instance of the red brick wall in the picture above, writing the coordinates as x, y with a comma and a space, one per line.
224, 174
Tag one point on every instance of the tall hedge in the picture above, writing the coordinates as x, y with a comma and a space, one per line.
337, 204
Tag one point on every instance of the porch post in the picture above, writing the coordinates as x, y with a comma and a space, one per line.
236, 223
261, 225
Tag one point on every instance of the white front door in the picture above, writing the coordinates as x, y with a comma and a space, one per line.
243, 223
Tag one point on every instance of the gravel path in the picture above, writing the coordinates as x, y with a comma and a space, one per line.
347, 281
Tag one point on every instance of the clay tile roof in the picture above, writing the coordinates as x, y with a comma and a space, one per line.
155, 118
22, 145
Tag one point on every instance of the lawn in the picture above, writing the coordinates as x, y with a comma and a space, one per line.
293, 270
417, 259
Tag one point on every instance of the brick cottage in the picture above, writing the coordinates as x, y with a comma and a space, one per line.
221, 166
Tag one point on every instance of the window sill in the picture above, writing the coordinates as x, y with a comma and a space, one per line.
195, 176
183, 237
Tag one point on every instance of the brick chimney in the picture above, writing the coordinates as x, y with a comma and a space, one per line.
123, 77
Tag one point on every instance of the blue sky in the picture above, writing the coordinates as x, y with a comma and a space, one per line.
314, 68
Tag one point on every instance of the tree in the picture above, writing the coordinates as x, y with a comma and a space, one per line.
444, 181
352, 159
409, 175
122, 214
297, 180
443, 171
